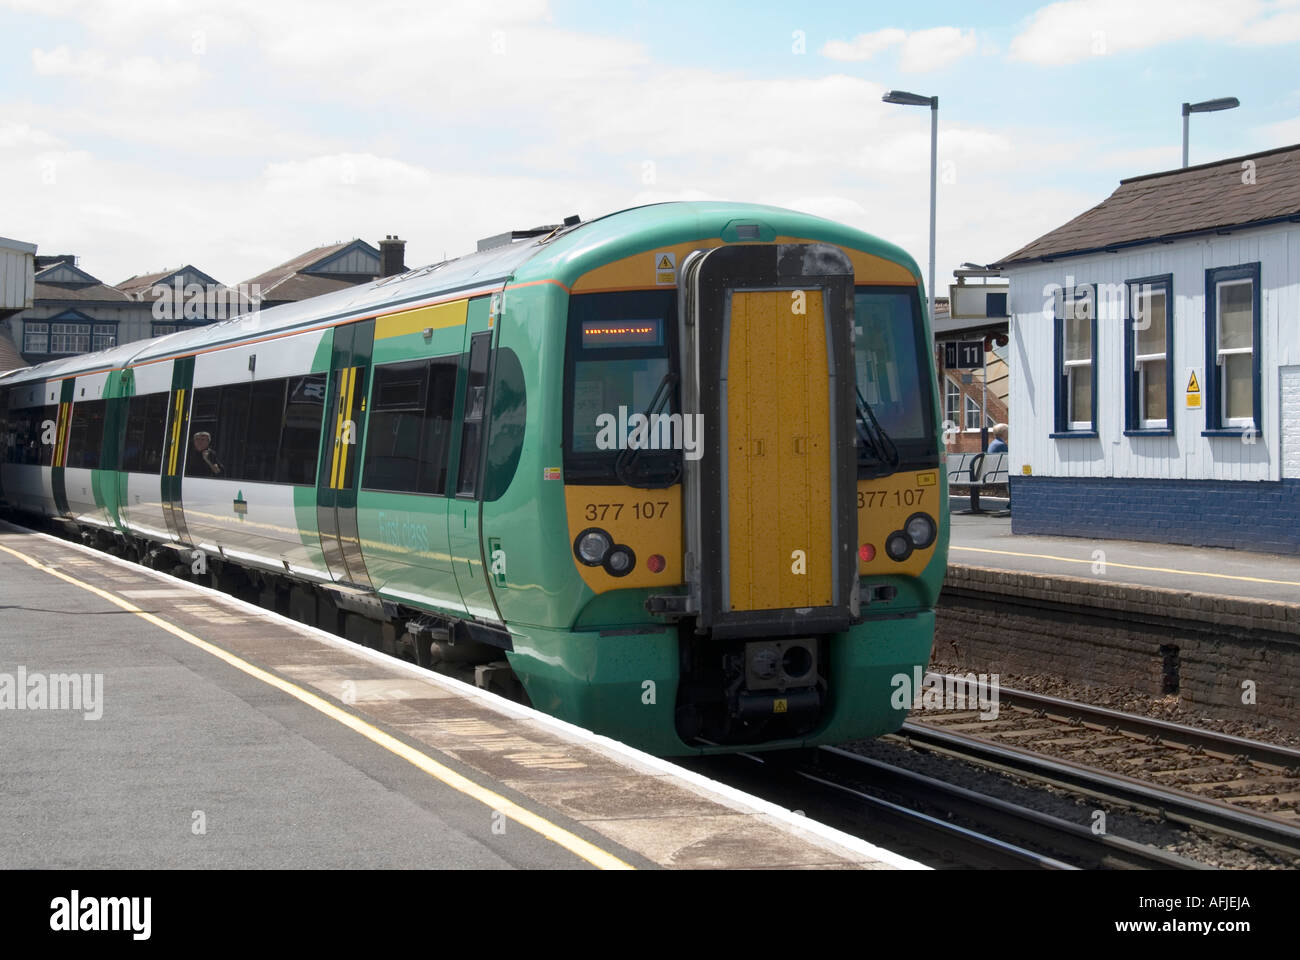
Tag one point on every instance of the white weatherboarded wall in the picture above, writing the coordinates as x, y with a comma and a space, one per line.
1290, 377
1185, 455
16, 274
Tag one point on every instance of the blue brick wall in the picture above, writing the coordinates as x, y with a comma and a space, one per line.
1260, 516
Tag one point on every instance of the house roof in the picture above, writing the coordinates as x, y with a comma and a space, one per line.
10, 358
1179, 203
292, 280
93, 291
140, 284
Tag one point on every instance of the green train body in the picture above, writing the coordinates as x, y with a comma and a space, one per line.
470, 457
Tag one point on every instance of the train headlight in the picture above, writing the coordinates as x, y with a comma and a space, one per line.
592, 545
921, 530
619, 561
898, 546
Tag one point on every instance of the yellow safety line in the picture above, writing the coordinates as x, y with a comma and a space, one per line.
556, 834
1128, 566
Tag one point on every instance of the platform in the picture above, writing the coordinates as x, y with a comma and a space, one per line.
225, 736
988, 542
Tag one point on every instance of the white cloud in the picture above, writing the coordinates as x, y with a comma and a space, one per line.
1279, 134
307, 123
864, 46
1074, 30
933, 49
920, 50
139, 73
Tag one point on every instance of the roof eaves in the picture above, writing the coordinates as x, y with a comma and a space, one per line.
1142, 241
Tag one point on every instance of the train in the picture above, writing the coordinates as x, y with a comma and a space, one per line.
673, 473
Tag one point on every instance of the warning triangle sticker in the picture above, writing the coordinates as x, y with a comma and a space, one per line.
1192, 385
665, 263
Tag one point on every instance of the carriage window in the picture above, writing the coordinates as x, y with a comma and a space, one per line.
146, 419
886, 325
25, 431
300, 437
408, 436
619, 357
86, 434
206, 454
475, 407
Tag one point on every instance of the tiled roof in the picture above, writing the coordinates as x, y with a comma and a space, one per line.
142, 282
94, 291
10, 358
290, 267
135, 287
1178, 203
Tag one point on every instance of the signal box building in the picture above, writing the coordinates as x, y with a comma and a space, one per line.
1155, 362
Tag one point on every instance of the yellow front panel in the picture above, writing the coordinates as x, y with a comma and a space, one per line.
884, 504
648, 521
778, 452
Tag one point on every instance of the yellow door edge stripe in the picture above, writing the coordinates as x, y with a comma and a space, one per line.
462, 784
1128, 566
343, 447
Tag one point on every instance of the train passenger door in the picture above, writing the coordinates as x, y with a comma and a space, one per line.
464, 511
339, 471
176, 439
58, 464
767, 343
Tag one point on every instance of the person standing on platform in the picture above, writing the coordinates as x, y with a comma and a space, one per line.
999, 443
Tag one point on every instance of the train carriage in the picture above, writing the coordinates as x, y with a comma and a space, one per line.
678, 466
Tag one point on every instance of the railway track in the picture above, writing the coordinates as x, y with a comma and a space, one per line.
939, 823
1222, 784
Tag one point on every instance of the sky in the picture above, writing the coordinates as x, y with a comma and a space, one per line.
141, 135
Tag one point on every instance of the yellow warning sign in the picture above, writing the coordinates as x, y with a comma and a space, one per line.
780, 705
666, 268
927, 479
1193, 391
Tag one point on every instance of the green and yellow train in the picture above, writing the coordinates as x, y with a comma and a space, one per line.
679, 466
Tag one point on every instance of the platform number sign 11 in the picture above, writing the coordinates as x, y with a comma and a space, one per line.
963, 354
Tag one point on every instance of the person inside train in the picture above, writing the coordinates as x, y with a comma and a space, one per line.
203, 447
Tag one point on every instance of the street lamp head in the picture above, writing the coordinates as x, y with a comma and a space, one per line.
910, 99
1210, 106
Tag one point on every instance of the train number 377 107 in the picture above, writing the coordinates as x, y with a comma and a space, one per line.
645, 510
889, 498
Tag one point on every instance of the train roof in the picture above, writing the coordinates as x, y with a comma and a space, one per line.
562, 251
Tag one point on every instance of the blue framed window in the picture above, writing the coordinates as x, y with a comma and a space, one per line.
104, 336
1076, 361
1232, 327
36, 337
1149, 357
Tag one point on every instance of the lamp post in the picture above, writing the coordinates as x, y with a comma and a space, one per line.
915, 100
1205, 106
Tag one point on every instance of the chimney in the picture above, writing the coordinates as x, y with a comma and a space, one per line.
392, 256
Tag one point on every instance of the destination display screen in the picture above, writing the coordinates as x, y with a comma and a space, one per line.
622, 333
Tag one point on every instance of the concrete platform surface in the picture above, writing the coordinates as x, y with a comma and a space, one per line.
205, 732
988, 542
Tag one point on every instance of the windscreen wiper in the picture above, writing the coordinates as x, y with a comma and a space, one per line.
627, 457
874, 441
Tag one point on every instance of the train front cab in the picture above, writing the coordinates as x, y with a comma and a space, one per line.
775, 513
